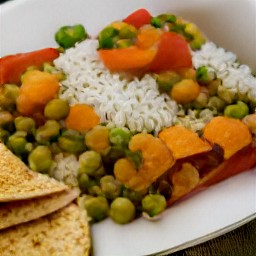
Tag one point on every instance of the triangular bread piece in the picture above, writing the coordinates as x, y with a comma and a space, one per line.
17, 212
17, 182
62, 233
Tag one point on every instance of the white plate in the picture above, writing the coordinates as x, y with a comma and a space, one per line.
30, 24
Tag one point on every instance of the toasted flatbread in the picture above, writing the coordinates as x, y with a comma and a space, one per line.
62, 233
17, 212
17, 182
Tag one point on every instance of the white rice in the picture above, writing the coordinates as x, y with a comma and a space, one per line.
136, 104
236, 78
65, 169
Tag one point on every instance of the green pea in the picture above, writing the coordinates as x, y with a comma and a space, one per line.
47, 132
120, 136
205, 75
167, 80
216, 103
110, 187
40, 159
127, 32
68, 36
153, 204
90, 162
18, 143
56, 109
238, 110
26, 124
6, 119
97, 208
8, 96
122, 210
107, 37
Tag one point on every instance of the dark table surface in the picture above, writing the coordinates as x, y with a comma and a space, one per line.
239, 242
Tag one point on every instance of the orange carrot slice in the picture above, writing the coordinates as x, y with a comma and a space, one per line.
183, 142
125, 59
231, 134
81, 118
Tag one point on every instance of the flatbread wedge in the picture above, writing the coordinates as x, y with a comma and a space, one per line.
17, 182
62, 233
13, 213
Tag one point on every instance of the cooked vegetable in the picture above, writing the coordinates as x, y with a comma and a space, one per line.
90, 163
97, 139
81, 118
26, 124
29, 100
125, 59
8, 96
120, 136
18, 143
12, 66
156, 159
250, 122
71, 141
205, 75
183, 142
97, 208
231, 134
67, 36
6, 119
184, 180
173, 53
56, 109
185, 91
110, 187
166, 80
153, 204
238, 110
122, 210
48, 131
138, 18
40, 159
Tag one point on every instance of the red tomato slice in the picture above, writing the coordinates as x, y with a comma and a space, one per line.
12, 66
138, 18
173, 53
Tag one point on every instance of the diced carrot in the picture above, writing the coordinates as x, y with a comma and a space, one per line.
185, 91
12, 66
147, 37
81, 118
182, 142
125, 59
231, 134
36, 90
138, 18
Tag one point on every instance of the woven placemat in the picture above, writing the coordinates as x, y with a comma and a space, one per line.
239, 242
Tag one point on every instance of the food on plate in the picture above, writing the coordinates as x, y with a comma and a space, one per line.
64, 232
141, 116
22, 211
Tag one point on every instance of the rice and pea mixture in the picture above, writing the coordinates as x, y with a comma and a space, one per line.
132, 108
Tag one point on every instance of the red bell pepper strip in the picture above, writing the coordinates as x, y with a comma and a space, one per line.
138, 18
242, 161
12, 66
173, 53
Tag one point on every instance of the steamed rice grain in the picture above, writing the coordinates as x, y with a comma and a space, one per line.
136, 104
